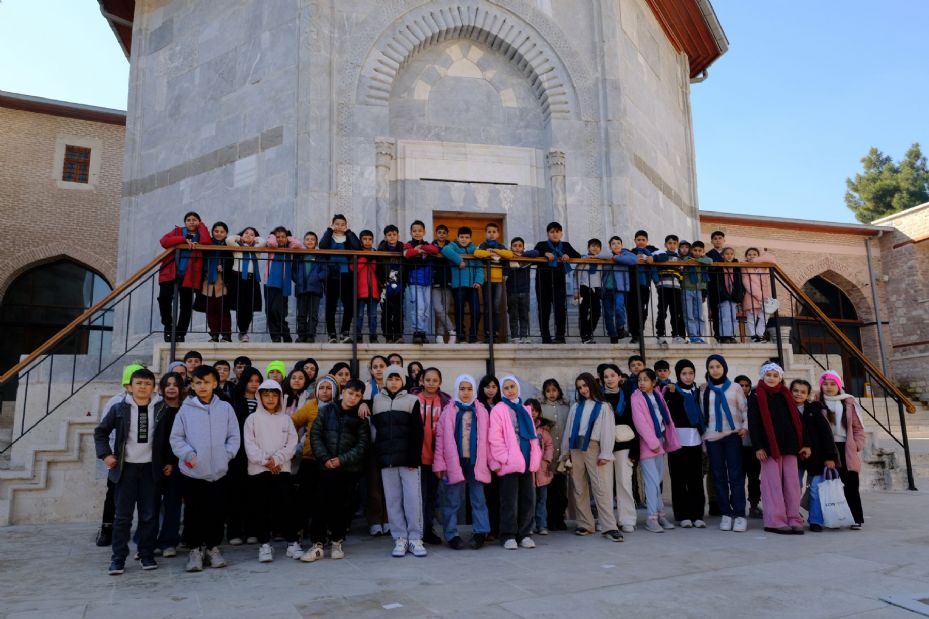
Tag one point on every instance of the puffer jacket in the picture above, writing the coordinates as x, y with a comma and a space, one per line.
339, 433
194, 259
309, 274
398, 429
473, 273
368, 287
420, 269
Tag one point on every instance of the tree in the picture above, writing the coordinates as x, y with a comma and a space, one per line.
886, 187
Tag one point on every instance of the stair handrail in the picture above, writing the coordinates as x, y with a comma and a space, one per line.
87, 315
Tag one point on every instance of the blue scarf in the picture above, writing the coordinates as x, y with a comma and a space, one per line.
692, 406
459, 434
558, 252
720, 404
185, 254
374, 388
526, 427
574, 442
212, 263
250, 265
665, 416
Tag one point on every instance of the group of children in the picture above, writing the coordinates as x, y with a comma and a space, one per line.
428, 279
254, 457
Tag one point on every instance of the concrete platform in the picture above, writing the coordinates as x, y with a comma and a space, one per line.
56, 571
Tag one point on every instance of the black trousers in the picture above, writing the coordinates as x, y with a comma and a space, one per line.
590, 311
109, 504
307, 479
333, 505
492, 497
307, 315
184, 308
392, 317
430, 489
686, 468
752, 468
552, 290
517, 506
557, 502
204, 509
340, 288
237, 514
671, 301
271, 497
712, 304
136, 489
850, 480
276, 311
637, 301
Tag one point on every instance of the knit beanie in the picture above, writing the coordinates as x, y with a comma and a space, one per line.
276, 365
830, 375
130, 369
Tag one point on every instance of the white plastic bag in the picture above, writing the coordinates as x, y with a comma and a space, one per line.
836, 513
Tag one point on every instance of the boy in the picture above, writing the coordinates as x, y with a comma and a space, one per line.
615, 286
588, 290
205, 437
441, 288
226, 387
136, 467
718, 239
310, 273
368, 290
279, 285
670, 299
695, 280
683, 250
390, 272
339, 283
192, 359
238, 366
494, 289
663, 372
419, 278
340, 439
551, 282
517, 291
466, 280
640, 296
398, 445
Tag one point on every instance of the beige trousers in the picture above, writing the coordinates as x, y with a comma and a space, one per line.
601, 483
622, 476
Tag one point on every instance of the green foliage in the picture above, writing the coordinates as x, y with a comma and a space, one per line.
885, 187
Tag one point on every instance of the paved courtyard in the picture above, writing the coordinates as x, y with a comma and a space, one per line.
56, 571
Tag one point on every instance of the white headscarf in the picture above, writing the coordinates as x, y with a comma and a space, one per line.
767, 367
465, 378
510, 377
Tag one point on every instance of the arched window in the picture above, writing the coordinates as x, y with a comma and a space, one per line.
42, 301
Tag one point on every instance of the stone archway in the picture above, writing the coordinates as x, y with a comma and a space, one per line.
49, 253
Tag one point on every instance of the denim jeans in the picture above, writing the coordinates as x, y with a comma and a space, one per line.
169, 535
816, 510
725, 457
369, 305
541, 509
419, 307
493, 302
727, 319
452, 497
652, 473
136, 487
693, 312
614, 311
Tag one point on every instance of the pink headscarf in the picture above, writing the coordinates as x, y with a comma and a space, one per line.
830, 375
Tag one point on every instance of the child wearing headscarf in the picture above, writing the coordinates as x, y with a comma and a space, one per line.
686, 464
845, 416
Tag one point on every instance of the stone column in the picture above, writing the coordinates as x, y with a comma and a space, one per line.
386, 154
556, 170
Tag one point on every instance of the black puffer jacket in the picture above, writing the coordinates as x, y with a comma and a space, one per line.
340, 433
398, 429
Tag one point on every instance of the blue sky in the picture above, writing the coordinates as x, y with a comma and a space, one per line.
786, 115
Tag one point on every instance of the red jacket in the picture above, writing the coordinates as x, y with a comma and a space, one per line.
194, 270
367, 278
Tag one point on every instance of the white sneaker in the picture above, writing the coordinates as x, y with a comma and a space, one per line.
251, 540
740, 525
294, 551
687, 524
527, 542
215, 557
265, 553
386, 528
699, 524
627, 528
243, 337
169, 552
335, 551
542, 531
400, 546
439, 339
664, 522
417, 548
662, 341
725, 523
235, 541
195, 560
652, 525
510, 544
376, 530
452, 338
679, 340
313, 554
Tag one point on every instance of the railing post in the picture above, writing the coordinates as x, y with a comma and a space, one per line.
638, 309
777, 319
358, 332
489, 321
911, 483
175, 305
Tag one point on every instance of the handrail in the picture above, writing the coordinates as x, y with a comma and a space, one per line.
74, 324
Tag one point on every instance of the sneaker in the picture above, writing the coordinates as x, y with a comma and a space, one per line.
664, 522
215, 557
439, 339
376, 530
251, 539
699, 524
687, 524
333, 339
581, 531
477, 541
149, 564
346, 339
417, 548
265, 553
335, 551
235, 541
169, 552
725, 523
105, 536
527, 542
386, 528
613, 536
633, 340
456, 543
542, 531
662, 341
855, 527
816, 528
313, 554
679, 340
652, 525
116, 568
740, 525
195, 560
451, 337
294, 551
510, 544
243, 337
627, 528
400, 547
755, 513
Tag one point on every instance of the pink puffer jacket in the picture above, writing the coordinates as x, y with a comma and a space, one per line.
446, 459
505, 457
645, 428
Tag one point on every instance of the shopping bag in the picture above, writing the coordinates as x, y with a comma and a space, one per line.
836, 513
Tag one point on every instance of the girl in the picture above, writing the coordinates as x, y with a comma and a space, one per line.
375, 507
657, 436
778, 438
844, 413
730, 295
245, 281
460, 460
686, 464
750, 463
756, 282
295, 392
725, 414
339, 286
270, 441
375, 383
555, 409
625, 452
543, 476
431, 403
589, 440
238, 512
343, 373
414, 373
172, 390
823, 453
311, 368
488, 394
182, 269
514, 456
216, 266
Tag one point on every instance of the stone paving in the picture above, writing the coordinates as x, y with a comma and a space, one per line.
56, 571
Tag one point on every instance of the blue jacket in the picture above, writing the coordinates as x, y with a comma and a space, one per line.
279, 273
419, 270
647, 273
617, 277
310, 273
340, 263
208, 431
473, 273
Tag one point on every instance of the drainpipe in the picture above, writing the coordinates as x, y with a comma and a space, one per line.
877, 304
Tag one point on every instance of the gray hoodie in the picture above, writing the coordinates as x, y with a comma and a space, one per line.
208, 431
